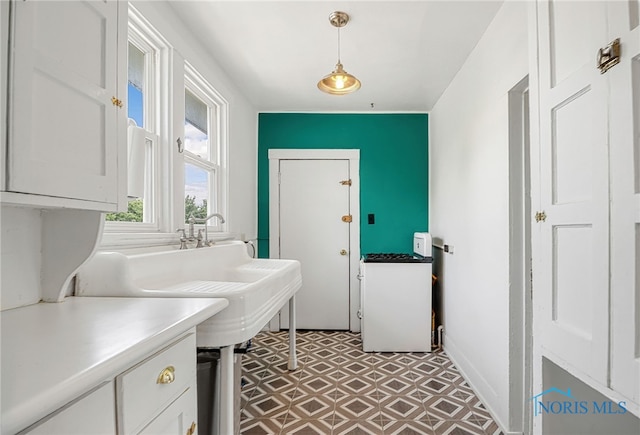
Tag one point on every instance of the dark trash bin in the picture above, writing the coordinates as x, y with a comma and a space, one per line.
207, 378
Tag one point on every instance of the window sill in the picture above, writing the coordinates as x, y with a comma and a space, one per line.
112, 241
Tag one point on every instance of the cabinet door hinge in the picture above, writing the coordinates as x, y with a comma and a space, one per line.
347, 218
541, 216
346, 182
608, 56
116, 102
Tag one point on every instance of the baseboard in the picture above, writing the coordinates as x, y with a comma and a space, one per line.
475, 379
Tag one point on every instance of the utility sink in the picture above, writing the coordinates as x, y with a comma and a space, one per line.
255, 288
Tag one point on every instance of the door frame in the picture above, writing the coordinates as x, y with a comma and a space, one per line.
353, 156
520, 257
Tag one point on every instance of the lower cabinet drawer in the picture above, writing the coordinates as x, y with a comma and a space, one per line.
91, 414
143, 391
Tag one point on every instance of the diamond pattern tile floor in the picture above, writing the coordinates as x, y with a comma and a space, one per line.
340, 390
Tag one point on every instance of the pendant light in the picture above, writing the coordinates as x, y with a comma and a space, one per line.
339, 82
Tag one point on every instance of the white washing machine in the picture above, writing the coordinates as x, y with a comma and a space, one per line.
395, 299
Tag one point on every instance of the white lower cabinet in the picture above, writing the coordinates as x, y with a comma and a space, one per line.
91, 414
162, 384
179, 418
155, 396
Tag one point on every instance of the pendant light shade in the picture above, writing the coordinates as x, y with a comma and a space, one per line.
339, 82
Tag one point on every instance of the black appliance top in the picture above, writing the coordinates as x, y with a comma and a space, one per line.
395, 258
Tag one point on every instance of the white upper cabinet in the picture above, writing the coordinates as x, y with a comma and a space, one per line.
66, 92
587, 273
572, 279
624, 131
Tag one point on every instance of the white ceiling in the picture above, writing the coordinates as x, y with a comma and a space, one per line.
405, 53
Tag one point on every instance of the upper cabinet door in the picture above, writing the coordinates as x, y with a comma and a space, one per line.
587, 271
67, 114
571, 282
624, 130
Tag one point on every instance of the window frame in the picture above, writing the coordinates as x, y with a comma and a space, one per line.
216, 164
150, 42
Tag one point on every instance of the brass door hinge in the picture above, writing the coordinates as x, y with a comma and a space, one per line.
347, 218
346, 182
608, 56
541, 216
116, 102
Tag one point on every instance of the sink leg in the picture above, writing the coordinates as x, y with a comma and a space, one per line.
293, 358
226, 390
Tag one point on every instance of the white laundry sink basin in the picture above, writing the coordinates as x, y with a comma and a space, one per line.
255, 288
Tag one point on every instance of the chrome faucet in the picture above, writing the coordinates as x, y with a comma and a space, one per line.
183, 238
200, 240
191, 237
191, 221
204, 221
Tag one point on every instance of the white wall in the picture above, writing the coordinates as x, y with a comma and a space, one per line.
20, 239
469, 205
242, 213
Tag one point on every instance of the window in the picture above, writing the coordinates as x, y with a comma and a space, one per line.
174, 183
143, 139
204, 148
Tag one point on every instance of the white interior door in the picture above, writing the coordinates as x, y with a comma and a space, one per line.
312, 204
571, 274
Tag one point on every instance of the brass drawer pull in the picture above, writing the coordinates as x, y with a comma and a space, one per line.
167, 376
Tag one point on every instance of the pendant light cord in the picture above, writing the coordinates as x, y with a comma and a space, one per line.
338, 44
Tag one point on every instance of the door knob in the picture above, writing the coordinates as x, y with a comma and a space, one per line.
343, 252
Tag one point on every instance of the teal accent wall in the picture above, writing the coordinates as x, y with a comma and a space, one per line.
393, 169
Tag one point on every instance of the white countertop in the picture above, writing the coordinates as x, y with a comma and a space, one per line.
51, 353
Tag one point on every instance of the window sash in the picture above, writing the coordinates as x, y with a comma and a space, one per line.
213, 199
150, 73
198, 87
198, 94
150, 209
